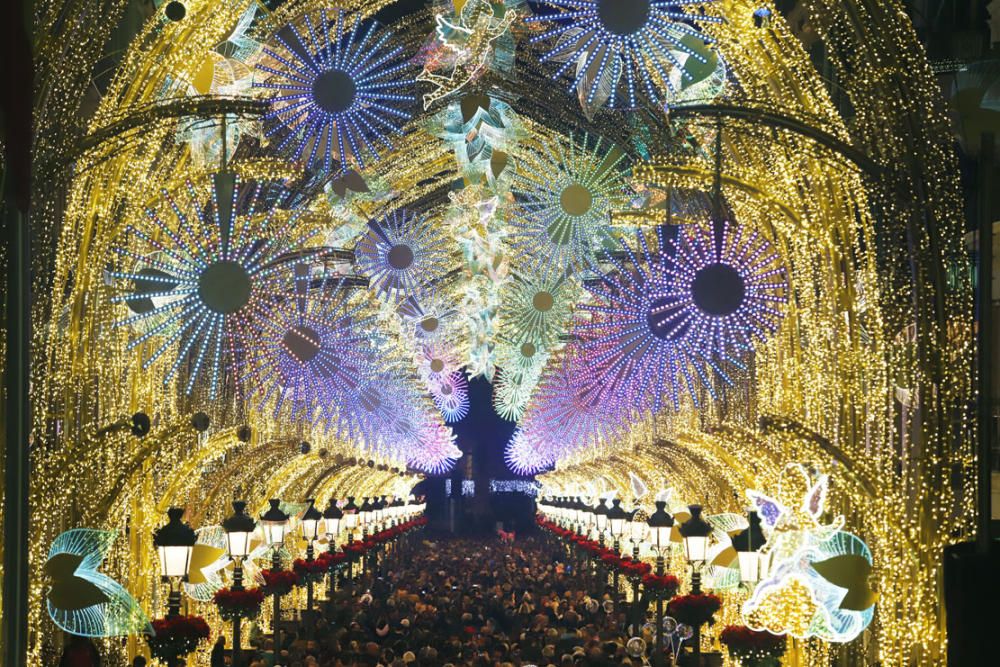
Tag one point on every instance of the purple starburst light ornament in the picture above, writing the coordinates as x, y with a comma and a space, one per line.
451, 395
435, 453
525, 454
402, 254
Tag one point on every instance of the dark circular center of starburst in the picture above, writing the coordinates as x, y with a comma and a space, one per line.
334, 91
429, 324
718, 290
302, 342
446, 390
576, 200
401, 257
224, 287
437, 365
543, 301
623, 17
528, 350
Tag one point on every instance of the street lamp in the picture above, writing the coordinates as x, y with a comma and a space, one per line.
239, 531
617, 517
601, 519
275, 523
333, 517
696, 532
661, 525
174, 543
350, 518
365, 516
637, 530
748, 544
310, 533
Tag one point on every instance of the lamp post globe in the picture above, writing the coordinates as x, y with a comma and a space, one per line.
174, 543
239, 532
749, 544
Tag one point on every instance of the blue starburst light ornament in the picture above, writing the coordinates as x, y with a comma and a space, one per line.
451, 396
525, 455
402, 253
217, 266
337, 88
565, 192
620, 49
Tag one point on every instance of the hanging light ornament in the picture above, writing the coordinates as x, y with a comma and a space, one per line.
337, 88
723, 292
565, 192
402, 253
451, 395
536, 310
525, 455
217, 267
621, 45
435, 453
314, 348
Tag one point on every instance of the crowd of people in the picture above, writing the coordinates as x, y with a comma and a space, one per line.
460, 602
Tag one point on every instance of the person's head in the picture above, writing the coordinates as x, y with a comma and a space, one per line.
221, 640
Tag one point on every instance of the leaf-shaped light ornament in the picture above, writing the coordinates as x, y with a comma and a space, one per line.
80, 599
209, 558
639, 488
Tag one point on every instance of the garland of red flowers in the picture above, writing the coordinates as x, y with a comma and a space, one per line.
694, 610
752, 646
665, 585
279, 582
310, 570
176, 636
238, 604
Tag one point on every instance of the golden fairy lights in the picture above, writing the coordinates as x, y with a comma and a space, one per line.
821, 391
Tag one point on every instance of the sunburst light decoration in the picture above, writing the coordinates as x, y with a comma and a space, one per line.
338, 89
564, 191
525, 455
210, 266
620, 50
402, 253
435, 452
520, 367
451, 395
644, 358
315, 347
537, 310
724, 291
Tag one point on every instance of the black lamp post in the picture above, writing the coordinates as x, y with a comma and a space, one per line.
350, 523
696, 533
310, 533
333, 518
638, 530
239, 530
174, 543
365, 517
275, 524
617, 518
748, 544
661, 525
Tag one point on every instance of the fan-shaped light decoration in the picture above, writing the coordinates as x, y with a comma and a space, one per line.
217, 266
209, 558
314, 348
436, 452
565, 191
337, 88
479, 129
437, 362
620, 44
721, 294
526, 455
402, 253
82, 601
451, 395
697, 79
433, 317
520, 366
536, 310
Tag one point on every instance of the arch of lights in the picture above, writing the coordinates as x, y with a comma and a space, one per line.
816, 387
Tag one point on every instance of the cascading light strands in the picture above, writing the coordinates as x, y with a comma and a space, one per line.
723, 291
334, 86
402, 253
620, 44
564, 192
642, 358
315, 348
208, 276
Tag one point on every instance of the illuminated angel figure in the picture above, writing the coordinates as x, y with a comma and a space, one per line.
402, 254
451, 395
525, 455
722, 292
613, 44
209, 273
565, 192
336, 88
641, 358
314, 348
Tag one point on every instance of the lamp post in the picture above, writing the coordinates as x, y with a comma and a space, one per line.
310, 533
350, 523
660, 525
748, 544
174, 543
696, 532
617, 518
332, 518
239, 530
275, 524
638, 529
365, 517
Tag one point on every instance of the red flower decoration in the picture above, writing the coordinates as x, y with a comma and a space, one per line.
694, 610
238, 604
176, 636
747, 645
307, 570
665, 584
279, 582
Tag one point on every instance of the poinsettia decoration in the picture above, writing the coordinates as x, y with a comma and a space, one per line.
310, 570
751, 647
176, 636
665, 585
238, 604
279, 582
695, 609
